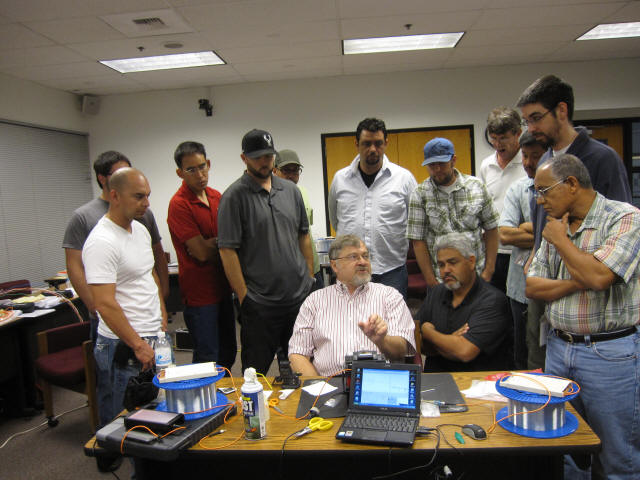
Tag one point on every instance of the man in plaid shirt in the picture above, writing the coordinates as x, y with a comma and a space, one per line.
587, 269
446, 202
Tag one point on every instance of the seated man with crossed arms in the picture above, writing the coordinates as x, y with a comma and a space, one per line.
354, 314
464, 319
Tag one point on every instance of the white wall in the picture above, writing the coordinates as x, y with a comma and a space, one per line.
148, 126
27, 102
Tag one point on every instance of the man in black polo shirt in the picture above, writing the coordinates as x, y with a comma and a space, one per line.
263, 238
464, 319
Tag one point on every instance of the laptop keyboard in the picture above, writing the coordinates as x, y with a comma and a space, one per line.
381, 422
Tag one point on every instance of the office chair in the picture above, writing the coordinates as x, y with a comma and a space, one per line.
66, 360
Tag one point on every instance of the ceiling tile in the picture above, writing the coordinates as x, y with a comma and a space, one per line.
368, 8
501, 55
250, 14
428, 58
270, 34
295, 74
68, 70
598, 49
291, 65
18, 36
421, 24
39, 56
195, 76
280, 52
75, 30
518, 36
34, 10
628, 13
550, 15
129, 47
95, 85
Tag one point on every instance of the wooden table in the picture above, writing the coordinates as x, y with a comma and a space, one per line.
320, 455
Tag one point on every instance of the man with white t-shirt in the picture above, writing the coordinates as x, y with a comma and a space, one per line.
118, 261
499, 171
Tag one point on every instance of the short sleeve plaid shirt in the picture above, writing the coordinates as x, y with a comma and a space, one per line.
611, 232
468, 208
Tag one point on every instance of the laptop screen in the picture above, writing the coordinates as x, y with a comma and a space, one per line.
394, 388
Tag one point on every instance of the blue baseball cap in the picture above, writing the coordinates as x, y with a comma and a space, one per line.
438, 150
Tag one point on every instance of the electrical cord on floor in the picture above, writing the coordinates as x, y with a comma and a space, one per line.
429, 431
39, 425
114, 474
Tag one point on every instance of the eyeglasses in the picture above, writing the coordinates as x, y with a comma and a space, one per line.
543, 191
354, 257
203, 167
291, 170
535, 118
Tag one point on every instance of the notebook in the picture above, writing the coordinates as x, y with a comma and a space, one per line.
384, 404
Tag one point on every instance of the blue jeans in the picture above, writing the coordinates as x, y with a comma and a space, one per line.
397, 278
111, 381
609, 377
213, 332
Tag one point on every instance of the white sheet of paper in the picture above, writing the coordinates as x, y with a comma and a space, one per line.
484, 390
318, 388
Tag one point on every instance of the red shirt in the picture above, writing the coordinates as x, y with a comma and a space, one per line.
201, 283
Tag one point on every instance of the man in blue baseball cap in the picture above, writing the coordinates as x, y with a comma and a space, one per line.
456, 203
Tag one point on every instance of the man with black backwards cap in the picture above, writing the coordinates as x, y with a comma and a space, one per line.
455, 202
264, 243
288, 166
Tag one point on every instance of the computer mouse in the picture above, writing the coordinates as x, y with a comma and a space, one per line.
474, 431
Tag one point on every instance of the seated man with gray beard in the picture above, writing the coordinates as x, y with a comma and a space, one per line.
354, 314
464, 319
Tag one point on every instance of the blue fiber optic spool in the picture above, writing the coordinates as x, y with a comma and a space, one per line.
553, 421
197, 395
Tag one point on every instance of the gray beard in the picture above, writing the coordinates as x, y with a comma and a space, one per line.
360, 280
453, 286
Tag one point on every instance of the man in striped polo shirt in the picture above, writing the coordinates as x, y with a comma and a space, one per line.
354, 314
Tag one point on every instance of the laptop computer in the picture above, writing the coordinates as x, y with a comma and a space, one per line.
384, 404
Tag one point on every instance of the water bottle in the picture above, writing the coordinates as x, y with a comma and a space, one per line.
253, 406
163, 352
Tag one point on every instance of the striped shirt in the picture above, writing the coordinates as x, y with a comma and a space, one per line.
327, 324
468, 208
611, 232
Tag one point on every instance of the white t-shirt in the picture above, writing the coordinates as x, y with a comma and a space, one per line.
111, 254
498, 181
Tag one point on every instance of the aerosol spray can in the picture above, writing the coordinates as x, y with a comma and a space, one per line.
253, 406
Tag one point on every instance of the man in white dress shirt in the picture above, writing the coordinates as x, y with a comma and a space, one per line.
354, 314
370, 199
500, 170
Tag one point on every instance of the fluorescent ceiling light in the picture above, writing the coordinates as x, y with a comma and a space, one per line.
164, 62
612, 30
398, 44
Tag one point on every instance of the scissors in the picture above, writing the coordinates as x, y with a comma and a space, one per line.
273, 403
316, 423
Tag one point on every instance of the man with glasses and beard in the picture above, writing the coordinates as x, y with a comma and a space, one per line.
354, 314
263, 237
464, 319
547, 112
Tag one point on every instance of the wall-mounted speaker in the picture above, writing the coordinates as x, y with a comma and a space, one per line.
90, 104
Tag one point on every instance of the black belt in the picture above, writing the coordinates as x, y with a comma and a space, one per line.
594, 337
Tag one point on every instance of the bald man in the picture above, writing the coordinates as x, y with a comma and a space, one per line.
118, 261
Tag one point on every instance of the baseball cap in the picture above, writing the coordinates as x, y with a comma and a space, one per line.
438, 150
287, 157
257, 143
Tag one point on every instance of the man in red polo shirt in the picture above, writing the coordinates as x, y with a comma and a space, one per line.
193, 224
